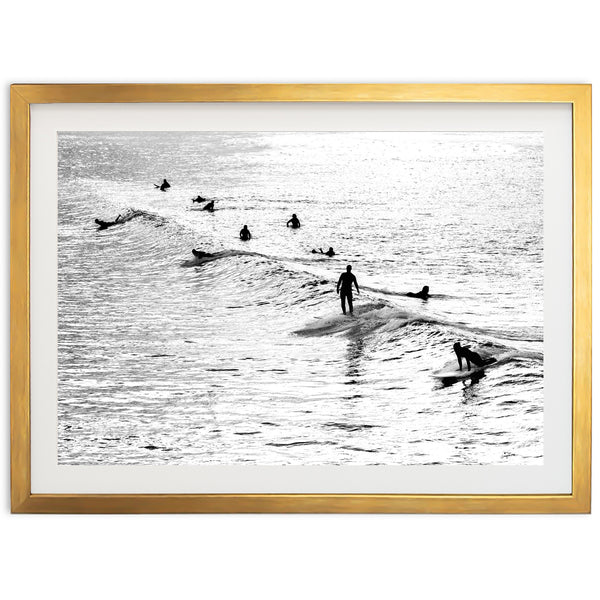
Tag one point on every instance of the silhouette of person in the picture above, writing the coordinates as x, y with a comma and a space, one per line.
329, 252
345, 284
245, 234
423, 294
199, 199
163, 186
295, 221
106, 224
210, 207
201, 254
470, 357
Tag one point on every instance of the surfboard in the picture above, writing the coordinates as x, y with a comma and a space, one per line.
451, 371
448, 372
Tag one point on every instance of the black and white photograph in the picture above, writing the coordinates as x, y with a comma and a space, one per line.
300, 298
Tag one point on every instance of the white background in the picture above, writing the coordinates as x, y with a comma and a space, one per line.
366, 556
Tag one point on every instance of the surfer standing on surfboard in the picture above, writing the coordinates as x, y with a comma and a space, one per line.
470, 357
345, 283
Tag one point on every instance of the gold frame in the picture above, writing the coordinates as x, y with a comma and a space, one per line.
23, 501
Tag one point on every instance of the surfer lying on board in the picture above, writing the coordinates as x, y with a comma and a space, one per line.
423, 294
198, 199
163, 186
201, 254
106, 224
329, 252
295, 221
245, 234
470, 357
345, 283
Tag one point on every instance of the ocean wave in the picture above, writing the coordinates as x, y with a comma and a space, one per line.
378, 313
385, 318
366, 319
385, 310
211, 257
133, 213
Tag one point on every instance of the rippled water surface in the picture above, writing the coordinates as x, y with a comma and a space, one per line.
245, 357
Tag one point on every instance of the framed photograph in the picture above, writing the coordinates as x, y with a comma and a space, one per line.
301, 298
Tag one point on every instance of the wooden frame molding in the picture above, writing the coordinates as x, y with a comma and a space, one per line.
23, 501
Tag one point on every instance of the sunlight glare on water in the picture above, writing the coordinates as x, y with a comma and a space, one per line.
245, 357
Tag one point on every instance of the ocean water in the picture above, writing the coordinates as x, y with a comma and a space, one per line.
246, 357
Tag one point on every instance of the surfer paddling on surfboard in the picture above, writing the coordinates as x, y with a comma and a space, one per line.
201, 254
345, 282
329, 252
471, 357
106, 224
423, 294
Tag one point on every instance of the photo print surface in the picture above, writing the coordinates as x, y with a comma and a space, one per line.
203, 279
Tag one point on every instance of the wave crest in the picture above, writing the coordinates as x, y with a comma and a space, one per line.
366, 319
